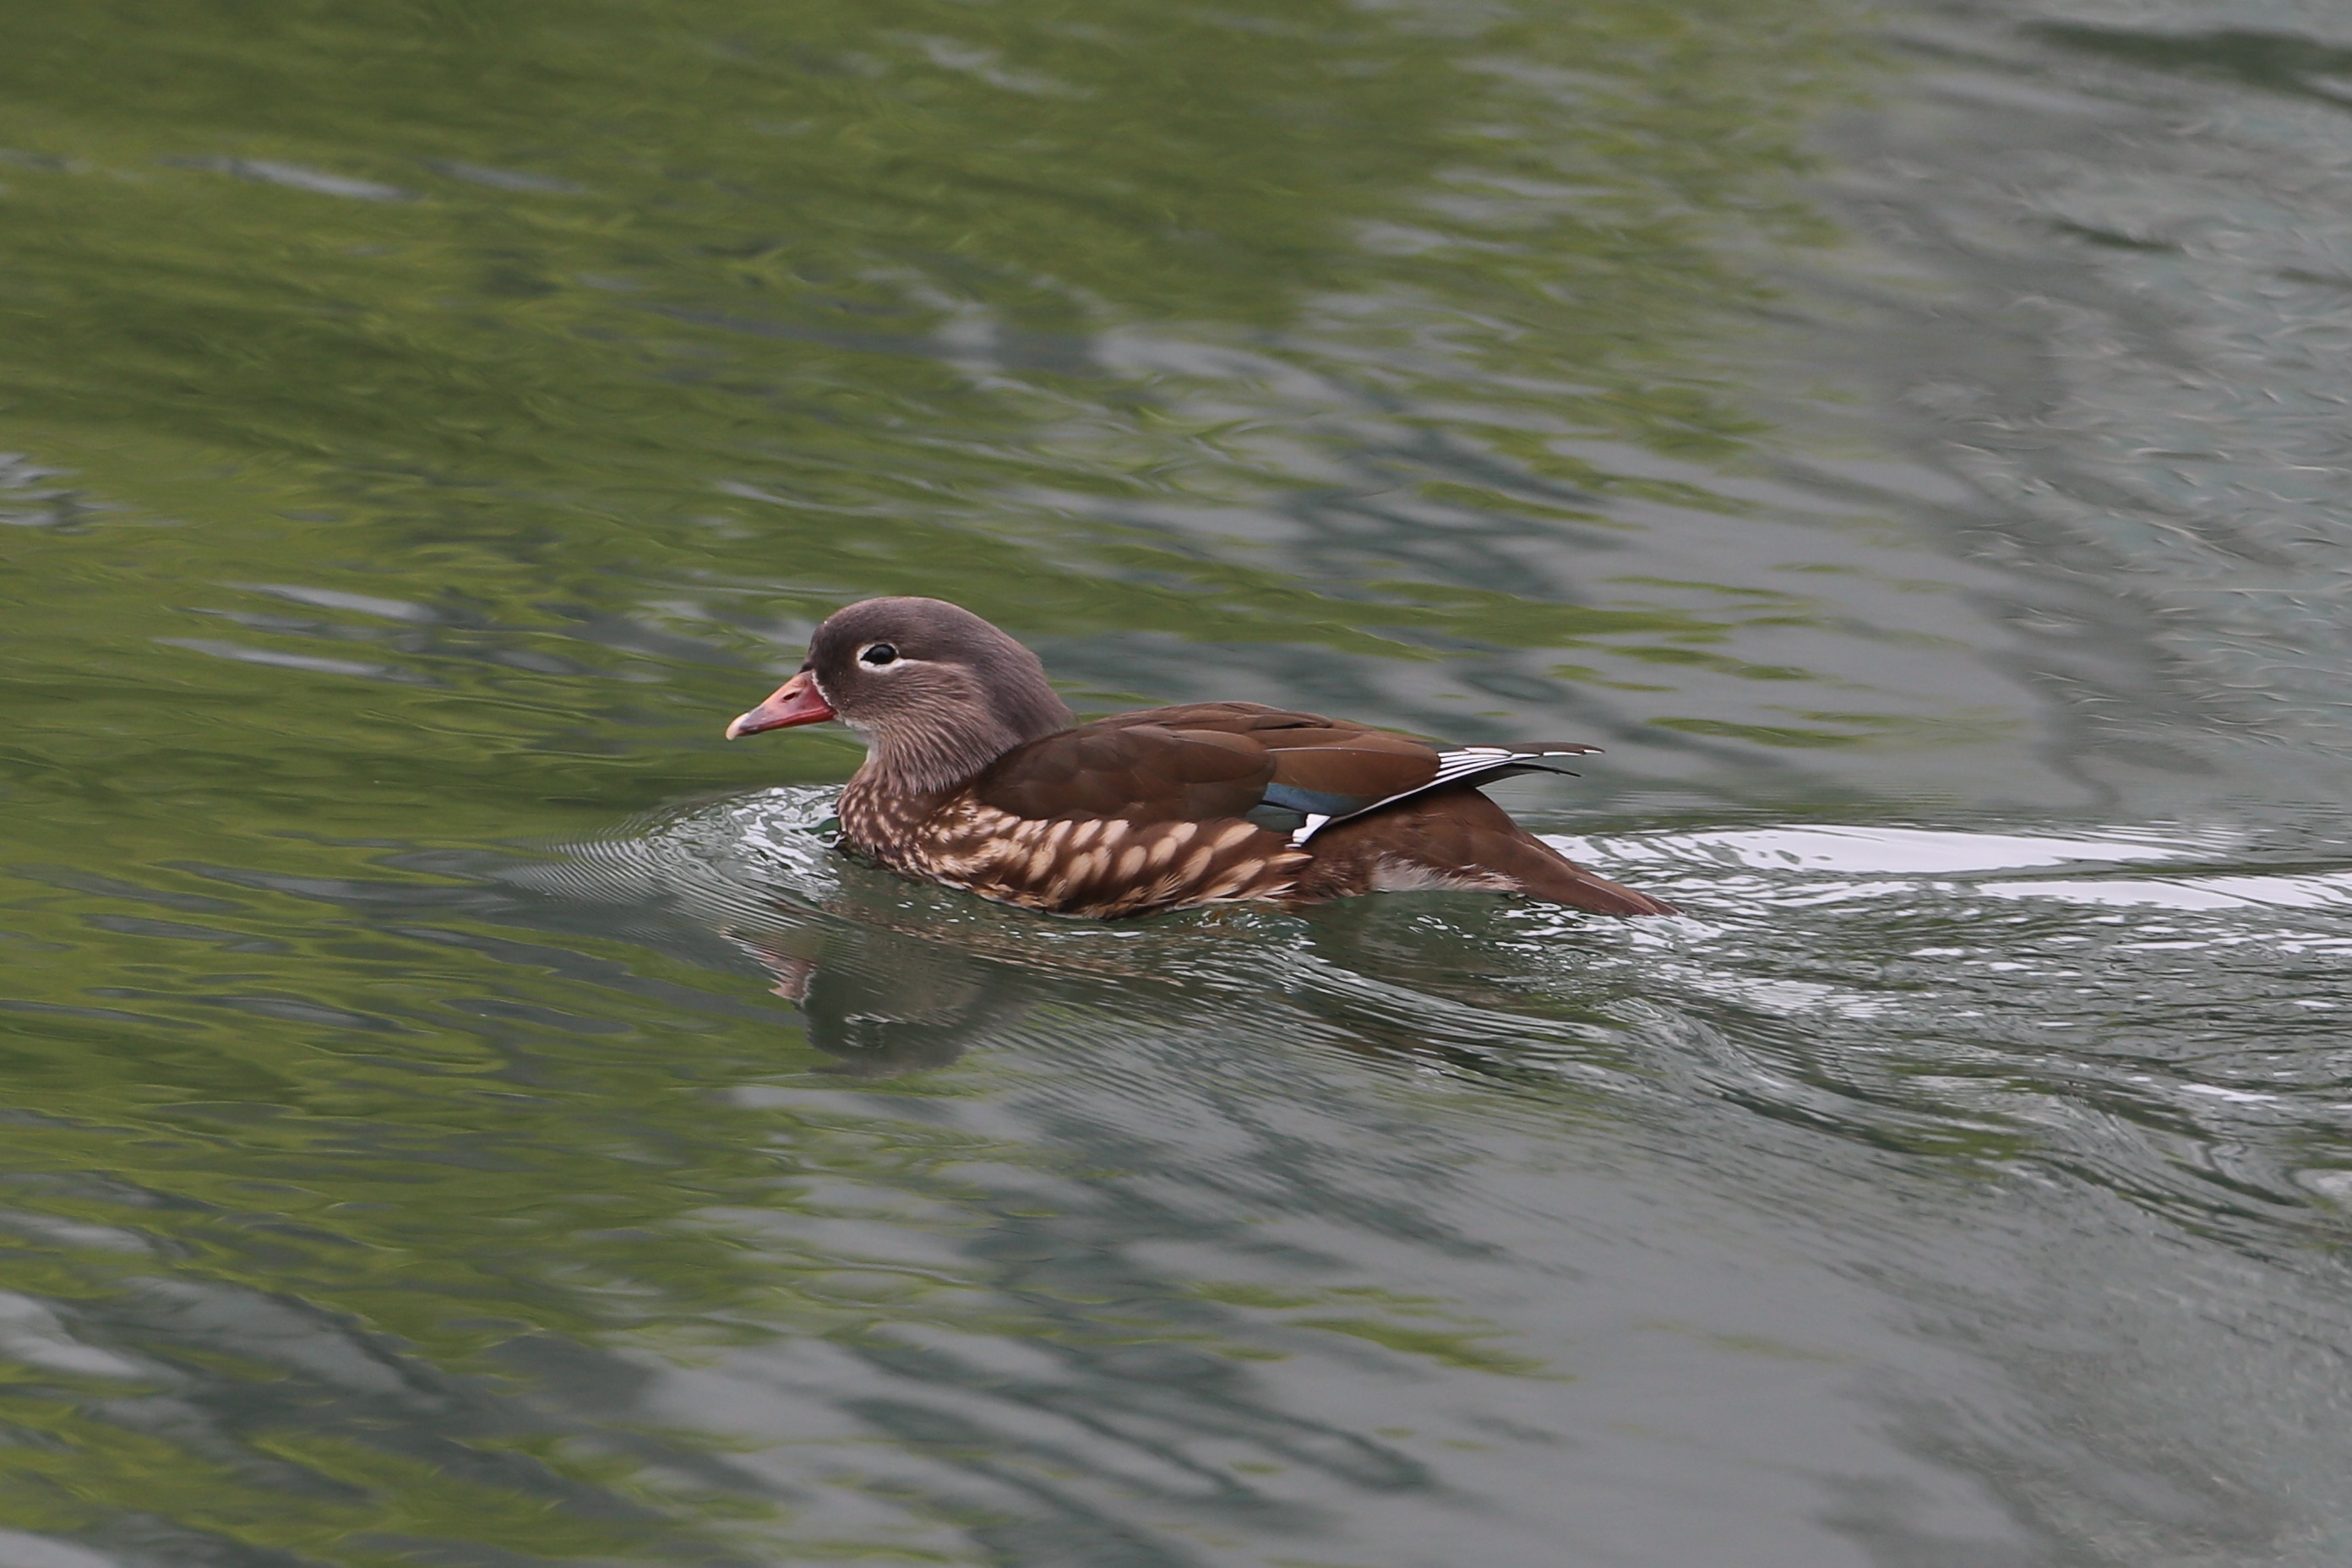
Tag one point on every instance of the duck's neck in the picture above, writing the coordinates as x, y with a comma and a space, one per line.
931, 760
926, 762
888, 802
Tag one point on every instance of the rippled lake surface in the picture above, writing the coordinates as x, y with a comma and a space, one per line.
460, 1111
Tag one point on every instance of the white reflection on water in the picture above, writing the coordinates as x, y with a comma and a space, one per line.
1892, 851
1910, 853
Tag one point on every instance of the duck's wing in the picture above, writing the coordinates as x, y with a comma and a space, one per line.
1289, 773
1138, 772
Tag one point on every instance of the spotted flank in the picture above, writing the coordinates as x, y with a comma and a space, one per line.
1095, 867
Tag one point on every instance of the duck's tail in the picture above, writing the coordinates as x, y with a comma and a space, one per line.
1456, 837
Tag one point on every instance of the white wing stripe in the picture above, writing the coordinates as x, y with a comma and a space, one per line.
1463, 762
1469, 760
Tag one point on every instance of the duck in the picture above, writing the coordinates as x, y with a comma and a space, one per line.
977, 777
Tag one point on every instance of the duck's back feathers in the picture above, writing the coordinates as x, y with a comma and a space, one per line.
1296, 774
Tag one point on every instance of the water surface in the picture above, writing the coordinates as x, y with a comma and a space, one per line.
460, 1112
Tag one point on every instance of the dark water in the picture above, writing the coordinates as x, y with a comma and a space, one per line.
457, 1111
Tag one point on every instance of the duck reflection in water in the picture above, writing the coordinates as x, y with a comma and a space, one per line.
888, 983
883, 1004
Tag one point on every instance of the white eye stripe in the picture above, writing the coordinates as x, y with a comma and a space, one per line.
891, 659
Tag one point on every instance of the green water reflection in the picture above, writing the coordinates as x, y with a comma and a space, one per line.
551, 361
433, 418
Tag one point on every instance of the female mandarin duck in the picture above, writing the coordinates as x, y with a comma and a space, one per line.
978, 777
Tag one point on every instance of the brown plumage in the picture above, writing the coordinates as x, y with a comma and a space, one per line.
977, 778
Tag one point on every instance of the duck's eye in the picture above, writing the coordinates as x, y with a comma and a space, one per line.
878, 653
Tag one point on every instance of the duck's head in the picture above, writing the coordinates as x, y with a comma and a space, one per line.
938, 692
